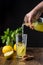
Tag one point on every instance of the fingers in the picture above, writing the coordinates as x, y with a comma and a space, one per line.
28, 21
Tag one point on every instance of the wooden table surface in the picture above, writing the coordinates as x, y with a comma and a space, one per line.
37, 60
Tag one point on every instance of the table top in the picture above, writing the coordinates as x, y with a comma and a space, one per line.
37, 60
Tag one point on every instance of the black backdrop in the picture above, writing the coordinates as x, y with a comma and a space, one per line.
12, 13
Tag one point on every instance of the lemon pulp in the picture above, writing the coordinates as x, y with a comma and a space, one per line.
8, 55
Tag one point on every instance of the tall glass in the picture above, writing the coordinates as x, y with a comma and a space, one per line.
21, 43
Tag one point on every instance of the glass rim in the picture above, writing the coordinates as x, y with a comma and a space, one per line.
20, 34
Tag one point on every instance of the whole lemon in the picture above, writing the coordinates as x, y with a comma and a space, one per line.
14, 47
7, 49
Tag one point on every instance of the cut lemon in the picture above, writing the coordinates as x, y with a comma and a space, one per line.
8, 55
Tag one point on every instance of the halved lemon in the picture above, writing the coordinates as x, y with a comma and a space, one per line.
9, 54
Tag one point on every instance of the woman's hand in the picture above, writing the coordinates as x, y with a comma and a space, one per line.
33, 15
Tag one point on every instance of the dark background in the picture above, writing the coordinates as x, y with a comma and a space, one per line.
12, 13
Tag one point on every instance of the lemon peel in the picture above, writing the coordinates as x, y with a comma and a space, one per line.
7, 49
14, 47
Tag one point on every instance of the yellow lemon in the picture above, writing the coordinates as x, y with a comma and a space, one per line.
14, 47
9, 54
7, 49
19, 43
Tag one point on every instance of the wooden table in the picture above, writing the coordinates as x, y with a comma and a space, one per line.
37, 60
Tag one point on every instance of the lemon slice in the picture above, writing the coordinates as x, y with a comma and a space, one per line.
38, 26
8, 55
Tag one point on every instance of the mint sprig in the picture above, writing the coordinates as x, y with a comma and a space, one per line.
9, 36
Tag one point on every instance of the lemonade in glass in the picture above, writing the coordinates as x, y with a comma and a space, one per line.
21, 43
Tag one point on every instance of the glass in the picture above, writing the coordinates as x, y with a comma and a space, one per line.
21, 43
